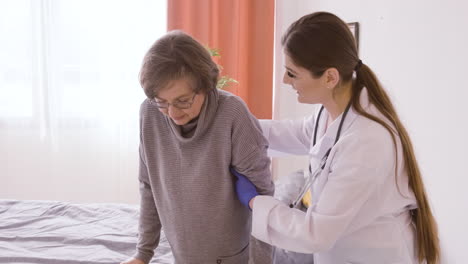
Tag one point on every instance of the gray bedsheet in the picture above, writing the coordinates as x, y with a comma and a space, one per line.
64, 233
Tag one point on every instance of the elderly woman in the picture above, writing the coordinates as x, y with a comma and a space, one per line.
191, 134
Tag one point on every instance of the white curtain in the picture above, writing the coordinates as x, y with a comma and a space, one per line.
69, 96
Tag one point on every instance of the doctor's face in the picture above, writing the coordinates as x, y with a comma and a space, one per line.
179, 102
310, 90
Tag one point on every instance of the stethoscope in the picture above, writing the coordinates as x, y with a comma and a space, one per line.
309, 176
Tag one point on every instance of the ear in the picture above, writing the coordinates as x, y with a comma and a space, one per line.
331, 78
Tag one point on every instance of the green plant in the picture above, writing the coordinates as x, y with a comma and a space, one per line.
224, 80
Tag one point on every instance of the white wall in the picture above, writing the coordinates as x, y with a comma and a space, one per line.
284, 98
419, 51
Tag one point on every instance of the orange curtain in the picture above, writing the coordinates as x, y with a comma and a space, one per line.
242, 31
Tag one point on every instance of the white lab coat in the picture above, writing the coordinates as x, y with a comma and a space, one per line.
358, 214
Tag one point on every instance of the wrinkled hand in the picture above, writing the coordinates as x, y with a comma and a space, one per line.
133, 261
244, 188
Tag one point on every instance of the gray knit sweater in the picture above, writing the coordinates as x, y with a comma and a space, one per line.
186, 186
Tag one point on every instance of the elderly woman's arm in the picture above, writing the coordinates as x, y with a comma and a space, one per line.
249, 151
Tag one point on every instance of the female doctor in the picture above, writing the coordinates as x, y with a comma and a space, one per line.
368, 199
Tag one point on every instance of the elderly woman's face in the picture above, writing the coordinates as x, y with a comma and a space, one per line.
183, 103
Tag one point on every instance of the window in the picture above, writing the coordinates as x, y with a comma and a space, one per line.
74, 59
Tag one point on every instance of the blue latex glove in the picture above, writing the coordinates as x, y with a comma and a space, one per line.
244, 188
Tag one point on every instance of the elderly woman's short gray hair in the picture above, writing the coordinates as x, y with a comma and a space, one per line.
174, 56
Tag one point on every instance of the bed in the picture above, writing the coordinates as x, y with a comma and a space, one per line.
52, 232
33, 232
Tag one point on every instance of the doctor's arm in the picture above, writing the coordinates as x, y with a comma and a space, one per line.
288, 136
357, 168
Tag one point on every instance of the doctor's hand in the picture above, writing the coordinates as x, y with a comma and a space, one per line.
245, 189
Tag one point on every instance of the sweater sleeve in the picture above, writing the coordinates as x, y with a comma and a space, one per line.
249, 150
149, 228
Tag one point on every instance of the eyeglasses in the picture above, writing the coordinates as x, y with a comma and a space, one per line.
177, 104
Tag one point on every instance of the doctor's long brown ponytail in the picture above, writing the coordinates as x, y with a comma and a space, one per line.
322, 40
426, 227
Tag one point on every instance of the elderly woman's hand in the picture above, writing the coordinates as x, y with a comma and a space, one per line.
245, 189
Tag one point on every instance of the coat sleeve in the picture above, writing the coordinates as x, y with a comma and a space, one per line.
249, 150
358, 169
149, 228
288, 136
